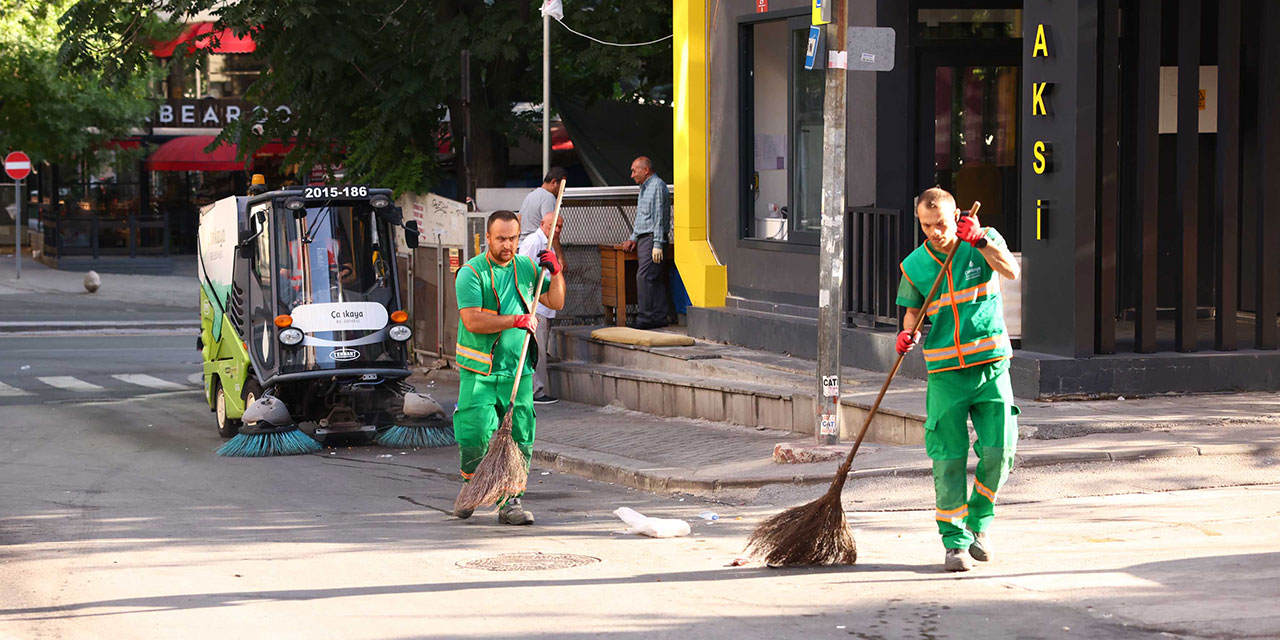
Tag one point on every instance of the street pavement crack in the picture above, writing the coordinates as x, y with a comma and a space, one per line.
447, 512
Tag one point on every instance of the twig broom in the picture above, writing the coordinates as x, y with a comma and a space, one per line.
504, 471
817, 533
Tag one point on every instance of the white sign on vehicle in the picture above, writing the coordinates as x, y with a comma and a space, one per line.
339, 316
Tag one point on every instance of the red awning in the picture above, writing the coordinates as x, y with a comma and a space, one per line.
202, 35
187, 154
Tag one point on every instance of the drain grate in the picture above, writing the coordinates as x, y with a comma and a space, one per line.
536, 561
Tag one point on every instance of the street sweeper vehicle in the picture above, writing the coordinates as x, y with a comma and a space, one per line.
302, 321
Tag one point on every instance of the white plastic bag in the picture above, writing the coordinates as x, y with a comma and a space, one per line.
652, 527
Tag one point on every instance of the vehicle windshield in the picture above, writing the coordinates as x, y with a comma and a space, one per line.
346, 260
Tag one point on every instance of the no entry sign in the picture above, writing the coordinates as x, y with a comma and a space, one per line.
17, 165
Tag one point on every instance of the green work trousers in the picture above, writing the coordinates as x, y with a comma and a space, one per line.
983, 394
482, 403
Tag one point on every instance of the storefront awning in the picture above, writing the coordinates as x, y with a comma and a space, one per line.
187, 154
201, 35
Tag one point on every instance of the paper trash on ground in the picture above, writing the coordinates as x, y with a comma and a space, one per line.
652, 527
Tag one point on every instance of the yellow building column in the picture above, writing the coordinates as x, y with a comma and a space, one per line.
704, 277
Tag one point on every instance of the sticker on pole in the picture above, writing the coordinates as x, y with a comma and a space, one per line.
831, 386
17, 165
829, 426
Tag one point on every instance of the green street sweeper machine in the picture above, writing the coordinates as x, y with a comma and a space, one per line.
301, 318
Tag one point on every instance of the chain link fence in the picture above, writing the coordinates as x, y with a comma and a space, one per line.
592, 216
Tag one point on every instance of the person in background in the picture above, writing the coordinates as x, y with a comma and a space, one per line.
540, 202
650, 237
532, 246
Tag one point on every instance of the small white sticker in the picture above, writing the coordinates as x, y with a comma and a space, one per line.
829, 426
838, 59
831, 386
824, 298
868, 57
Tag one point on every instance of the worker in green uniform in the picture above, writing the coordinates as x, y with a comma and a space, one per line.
967, 355
496, 311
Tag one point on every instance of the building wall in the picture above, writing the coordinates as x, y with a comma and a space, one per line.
776, 272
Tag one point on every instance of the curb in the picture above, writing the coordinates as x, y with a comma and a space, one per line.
645, 476
65, 326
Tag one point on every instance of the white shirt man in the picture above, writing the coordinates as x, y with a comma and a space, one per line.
531, 246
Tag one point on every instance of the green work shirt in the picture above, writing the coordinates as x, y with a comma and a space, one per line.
967, 315
501, 290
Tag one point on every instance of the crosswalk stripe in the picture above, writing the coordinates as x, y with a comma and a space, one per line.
7, 391
151, 382
69, 383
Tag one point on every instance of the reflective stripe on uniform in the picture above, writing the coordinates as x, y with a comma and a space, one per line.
983, 490
985, 344
952, 514
473, 354
964, 295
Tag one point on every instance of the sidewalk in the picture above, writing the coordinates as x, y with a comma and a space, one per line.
46, 299
678, 454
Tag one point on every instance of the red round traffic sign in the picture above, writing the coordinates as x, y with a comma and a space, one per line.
17, 165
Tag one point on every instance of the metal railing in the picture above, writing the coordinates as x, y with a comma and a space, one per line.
94, 233
873, 244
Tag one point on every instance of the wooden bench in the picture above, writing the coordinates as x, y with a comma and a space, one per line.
617, 267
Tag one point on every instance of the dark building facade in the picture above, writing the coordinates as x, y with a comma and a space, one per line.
1124, 147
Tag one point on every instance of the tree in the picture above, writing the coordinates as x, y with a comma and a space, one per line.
369, 82
49, 112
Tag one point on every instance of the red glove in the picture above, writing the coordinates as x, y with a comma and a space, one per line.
526, 322
907, 341
549, 261
970, 230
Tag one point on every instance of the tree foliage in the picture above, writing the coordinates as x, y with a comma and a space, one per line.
369, 82
51, 113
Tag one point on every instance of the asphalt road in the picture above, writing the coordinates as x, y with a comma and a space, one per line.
117, 520
78, 366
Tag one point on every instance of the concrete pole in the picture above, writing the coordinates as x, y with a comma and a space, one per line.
546, 92
831, 244
17, 225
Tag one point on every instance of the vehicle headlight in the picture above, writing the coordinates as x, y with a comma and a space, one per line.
291, 336
400, 333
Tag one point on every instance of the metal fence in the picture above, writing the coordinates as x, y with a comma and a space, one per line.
873, 243
592, 216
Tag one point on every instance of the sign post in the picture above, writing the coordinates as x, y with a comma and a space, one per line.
18, 166
872, 49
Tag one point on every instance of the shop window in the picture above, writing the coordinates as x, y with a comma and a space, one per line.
780, 111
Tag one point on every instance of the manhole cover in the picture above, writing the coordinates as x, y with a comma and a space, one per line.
529, 562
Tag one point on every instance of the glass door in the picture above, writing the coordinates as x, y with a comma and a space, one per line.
808, 92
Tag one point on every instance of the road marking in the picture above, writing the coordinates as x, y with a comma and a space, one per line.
151, 382
69, 383
7, 391
196, 378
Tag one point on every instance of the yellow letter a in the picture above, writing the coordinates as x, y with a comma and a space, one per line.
1042, 45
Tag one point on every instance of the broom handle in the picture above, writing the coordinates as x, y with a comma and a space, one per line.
843, 472
542, 273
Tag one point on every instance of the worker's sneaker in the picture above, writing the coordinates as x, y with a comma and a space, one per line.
545, 399
958, 560
513, 513
980, 550
463, 514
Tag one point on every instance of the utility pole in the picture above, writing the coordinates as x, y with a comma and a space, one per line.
831, 245
546, 90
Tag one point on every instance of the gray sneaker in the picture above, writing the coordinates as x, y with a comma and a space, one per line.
463, 514
981, 547
513, 513
958, 560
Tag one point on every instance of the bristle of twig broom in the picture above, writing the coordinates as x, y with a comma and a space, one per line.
504, 471
817, 533
810, 534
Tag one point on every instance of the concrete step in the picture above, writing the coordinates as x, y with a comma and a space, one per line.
717, 383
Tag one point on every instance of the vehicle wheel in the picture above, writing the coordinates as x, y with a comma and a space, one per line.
227, 427
251, 391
